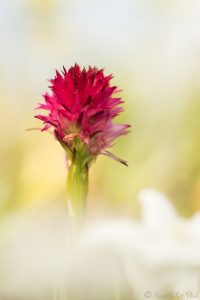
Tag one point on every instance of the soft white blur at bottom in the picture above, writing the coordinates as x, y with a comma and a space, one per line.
156, 257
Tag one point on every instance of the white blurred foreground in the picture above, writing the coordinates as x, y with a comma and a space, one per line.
157, 257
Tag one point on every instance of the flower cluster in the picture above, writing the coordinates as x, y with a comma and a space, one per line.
81, 108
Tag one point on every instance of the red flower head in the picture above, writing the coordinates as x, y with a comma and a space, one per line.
81, 108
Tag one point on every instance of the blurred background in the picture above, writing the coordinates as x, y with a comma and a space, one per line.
152, 48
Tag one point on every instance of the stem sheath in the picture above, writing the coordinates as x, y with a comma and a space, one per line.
77, 187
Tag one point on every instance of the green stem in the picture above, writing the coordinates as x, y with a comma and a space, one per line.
77, 187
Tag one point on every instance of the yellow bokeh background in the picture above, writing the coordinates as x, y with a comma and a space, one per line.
153, 50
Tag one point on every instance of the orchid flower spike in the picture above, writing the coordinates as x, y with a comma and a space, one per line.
80, 108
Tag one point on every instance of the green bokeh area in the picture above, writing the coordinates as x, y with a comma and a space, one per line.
153, 52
